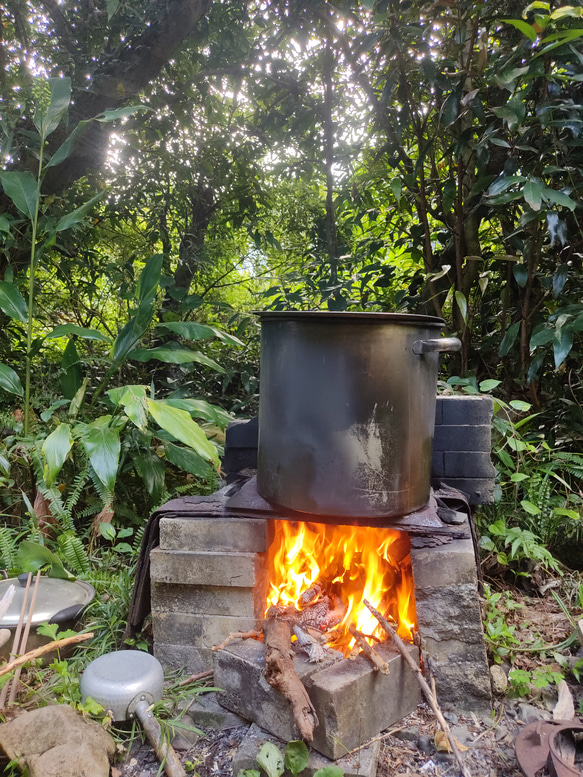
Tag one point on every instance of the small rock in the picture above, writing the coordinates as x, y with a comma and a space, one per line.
409, 734
462, 734
511, 712
446, 758
425, 744
451, 717
501, 733
498, 680
528, 713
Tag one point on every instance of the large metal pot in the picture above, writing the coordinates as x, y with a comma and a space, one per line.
347, 411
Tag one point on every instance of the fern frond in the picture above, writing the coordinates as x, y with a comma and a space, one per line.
73, 553
8, 547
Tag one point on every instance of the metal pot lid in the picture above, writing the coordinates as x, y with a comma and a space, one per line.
52, 597
351, 317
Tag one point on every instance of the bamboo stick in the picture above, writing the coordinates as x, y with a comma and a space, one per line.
40, 651
22, 647
431, 698
16, 640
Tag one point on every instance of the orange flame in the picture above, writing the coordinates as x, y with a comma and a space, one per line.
348, 564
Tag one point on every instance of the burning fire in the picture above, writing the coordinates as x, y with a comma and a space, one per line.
339, 567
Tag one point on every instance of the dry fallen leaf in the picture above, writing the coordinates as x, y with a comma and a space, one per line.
442, 744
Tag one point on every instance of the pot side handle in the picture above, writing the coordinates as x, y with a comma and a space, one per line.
439, 344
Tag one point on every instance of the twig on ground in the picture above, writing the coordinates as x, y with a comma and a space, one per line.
194, 677
40, 651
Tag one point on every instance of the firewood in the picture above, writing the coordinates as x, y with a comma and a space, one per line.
238, 635
281, 675
378, 663
429, 695
314, 648
310, 594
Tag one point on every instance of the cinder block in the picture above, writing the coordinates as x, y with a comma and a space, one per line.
352, 701
243, 434
206, 600
463, 438
449, 613
241, 570
437, 464
247, 535
187, 657
198, 630
466, 409
204, 710
363, 765
453, 563
468, 464
462, 684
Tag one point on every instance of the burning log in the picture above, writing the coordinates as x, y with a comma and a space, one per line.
314, 647
429, 695
379, 664
281, 675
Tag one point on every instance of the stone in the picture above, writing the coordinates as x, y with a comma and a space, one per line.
498, 680
353, 703
360, 764
528, 713
204, 710
465, 409
408, 734
55, 741
447, 613
438, 567
425, 744
466, 437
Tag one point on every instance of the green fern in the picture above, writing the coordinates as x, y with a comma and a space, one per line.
73, 553
8, 547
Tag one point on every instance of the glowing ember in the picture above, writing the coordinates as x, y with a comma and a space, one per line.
325, 573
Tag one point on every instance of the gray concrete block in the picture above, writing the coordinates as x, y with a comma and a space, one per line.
480, 491
468, 464
206, 600
217, 534
201, 631
239, 669
361, 764
241, 570
187, 657
449, 613
462, 684
466, 409
463, 438
355, 703
444, 565
204, 710
437, 464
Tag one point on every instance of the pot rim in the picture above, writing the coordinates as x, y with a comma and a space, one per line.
372, 317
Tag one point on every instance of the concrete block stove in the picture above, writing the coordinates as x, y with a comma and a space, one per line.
208, 579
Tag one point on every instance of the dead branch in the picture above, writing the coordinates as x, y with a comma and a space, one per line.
281, 675
194, 677
429, 695
40, 651
378, 663
238, 635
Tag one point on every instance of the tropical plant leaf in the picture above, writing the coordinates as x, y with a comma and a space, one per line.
133, 401
192, 330
149, 279
532, 193
47, 119
103, 446
297, 756
188, 460
22, 188
55, 450
31, 557
270, 759
151, 470
65, 149
174, 356
64, 330
524, 27
76, 217
201, 409
562, 344
509, 339
10, 381
182, 427
12, 302
121, 113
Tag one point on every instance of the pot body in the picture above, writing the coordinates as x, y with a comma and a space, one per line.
347, 412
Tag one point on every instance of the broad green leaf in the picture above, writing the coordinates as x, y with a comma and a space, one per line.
540, 5
107, 531
55, 450
75, 217
489, 385
182, 427
567, 10
297, 756
64, 330
529, 507
396, 188
518, 477
201, 409
329, 771
188, 460
560, 279
541, 337
46, 120
520, 272
270, 759
10, 381
174, 356
462, 304
102, 445
65, 149
151, 470
12, 302
532, 193
509, 339
112, 6
149, 279
133, 401
31, 557
121, 113
191, 330
559, 198
520, 405
77, 400
72, 372
562, 344
524, 27
503, 183
22, 190
4, 225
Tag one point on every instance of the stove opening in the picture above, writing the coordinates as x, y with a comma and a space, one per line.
320, 574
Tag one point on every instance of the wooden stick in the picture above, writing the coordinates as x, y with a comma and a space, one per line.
40, 651
24, 640
16, 640
238, 635
401, 647
378, 663
194, 677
